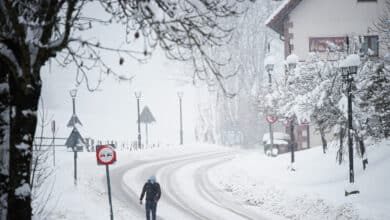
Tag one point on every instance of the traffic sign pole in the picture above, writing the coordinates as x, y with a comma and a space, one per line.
109, 192
106, 155
271, 120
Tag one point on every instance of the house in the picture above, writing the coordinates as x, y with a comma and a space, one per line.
317, 25
313, 25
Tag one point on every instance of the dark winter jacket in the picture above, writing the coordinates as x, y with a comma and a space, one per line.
152, 190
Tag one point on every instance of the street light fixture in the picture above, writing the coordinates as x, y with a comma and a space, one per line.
349, 67
180, 95
269, 63
292, 61
73, 93
138, 97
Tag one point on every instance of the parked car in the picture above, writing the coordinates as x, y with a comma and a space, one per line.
281, 143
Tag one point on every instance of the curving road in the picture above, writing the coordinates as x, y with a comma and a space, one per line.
187, 192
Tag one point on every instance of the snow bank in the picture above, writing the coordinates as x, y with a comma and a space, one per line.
315, 190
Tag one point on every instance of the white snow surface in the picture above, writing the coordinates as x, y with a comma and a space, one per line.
281, 6
279, 138
316, 190
264, 184
269, 60
22, 146
292, 59
350, 60
23, 190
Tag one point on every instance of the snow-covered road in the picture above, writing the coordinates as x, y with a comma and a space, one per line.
213, 182
187, 192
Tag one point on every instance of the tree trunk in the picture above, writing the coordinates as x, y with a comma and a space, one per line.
25, 91
323, 140
341, 148
4, 139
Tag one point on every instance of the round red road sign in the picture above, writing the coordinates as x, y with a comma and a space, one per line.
270, 119
105, 155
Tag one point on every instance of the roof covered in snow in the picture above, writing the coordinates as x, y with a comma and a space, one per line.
276, 19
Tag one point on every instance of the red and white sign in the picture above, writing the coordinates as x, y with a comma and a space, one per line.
270, 119
105, 154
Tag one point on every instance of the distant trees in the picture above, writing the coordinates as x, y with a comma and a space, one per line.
235, 117
34, 32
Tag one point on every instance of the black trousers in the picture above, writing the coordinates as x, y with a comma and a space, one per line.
150, 207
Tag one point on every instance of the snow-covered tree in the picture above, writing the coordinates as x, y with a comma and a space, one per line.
382, 27
316, 91
374, 99
34, 32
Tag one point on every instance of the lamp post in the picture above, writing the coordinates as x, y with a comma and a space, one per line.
73, 94
348, 68
292, 61
269, 64
138, 97
180, 95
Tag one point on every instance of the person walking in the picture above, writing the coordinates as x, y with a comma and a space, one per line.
153, 194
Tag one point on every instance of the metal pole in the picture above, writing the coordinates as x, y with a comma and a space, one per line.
74, 106
74, 147
75, 165
271, 136
292, 137
146, 134
269, 80
350, 143
308, 135
181, 122
139, 125
54, 151
271, 133
109, 192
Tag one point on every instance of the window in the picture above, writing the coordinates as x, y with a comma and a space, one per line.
370, 46
323, 44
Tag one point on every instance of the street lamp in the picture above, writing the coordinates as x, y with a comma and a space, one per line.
73, 94
138, 97
269, 63
292, 61
349, 67
180, 95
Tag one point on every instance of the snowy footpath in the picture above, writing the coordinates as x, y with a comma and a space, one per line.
213, 182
